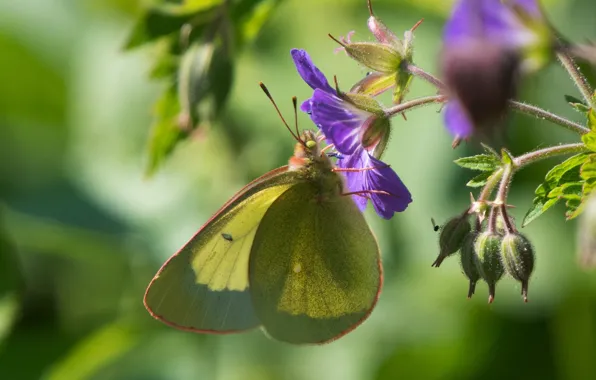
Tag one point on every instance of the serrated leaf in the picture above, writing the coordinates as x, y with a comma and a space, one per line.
569, 190
588, 168
166, 130
592, 119
539, 206
482, 162
490, 150
589, 139
577, 104
480, 179
554, 176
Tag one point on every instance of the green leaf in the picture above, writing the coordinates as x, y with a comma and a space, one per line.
490, 150
189, 6
97, 351
592, 119
479, 180
156, 23
577, 104
569, 190
506, 157
561, 177
11, 282
167, 130
249, 16
539, 206
482, 162
590, 140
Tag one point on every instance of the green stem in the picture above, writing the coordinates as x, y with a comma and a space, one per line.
542, 114
492, 182
578, 78
397, 109
541, 154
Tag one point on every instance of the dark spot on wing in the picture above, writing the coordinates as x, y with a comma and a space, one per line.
228, 237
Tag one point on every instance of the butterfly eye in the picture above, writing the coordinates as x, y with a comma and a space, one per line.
310, 144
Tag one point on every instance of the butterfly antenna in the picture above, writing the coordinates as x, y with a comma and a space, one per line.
266, 91
295, 103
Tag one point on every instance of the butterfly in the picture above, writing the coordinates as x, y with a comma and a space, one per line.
290, 253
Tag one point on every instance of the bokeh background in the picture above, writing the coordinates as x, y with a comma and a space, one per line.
82, 230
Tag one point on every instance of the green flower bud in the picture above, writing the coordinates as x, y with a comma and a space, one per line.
518, 258
452, 236
468, 262
501, 226
374, 130
377, 56
488, 260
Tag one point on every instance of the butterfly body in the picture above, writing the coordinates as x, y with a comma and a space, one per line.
288, 253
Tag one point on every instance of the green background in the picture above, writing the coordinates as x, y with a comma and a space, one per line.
83, 231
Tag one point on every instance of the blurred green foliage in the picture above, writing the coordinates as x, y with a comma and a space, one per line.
82, 231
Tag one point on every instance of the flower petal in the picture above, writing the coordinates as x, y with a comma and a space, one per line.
385, 179
309, 72
339, 120
456, 120
381, 178
355, 180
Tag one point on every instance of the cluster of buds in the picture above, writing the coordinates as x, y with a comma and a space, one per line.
488, 249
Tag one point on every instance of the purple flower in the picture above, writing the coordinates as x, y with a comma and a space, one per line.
486, 45
356, 131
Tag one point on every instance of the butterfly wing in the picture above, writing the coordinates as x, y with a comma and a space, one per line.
204, 286
314, 268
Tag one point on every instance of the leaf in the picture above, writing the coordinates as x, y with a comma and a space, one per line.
156, 23
569, 190
539, 206
506, 157
167, 132
577, 104
482, 162
592, 119
590, 140
11, 282
490, 150
567, 172
249, 16
189, 6
95, 352
480, 179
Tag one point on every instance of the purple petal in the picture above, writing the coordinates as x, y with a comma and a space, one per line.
382, 178
456, 120
339, 120
309, 72
355, 181
306, 106
385, 179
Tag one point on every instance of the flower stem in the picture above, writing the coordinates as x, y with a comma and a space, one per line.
528, 109
540, 154
542, 114
417, 71
397, 109
492, 182
578, 78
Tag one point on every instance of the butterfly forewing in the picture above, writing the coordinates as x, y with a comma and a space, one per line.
204, 286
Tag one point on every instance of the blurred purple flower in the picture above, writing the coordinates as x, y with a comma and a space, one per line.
345, 125
484, 47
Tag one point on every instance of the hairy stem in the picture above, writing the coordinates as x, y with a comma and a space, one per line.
492, 182
541, 154
418, 72
397, 109
578, 78
542, 114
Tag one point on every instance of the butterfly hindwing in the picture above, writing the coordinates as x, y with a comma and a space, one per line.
321, 279
204, 286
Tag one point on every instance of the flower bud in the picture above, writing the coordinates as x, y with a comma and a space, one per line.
382, 33
488, 260
374, 129
501, 226
468, 263
377, 56
518, 258
452, 236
